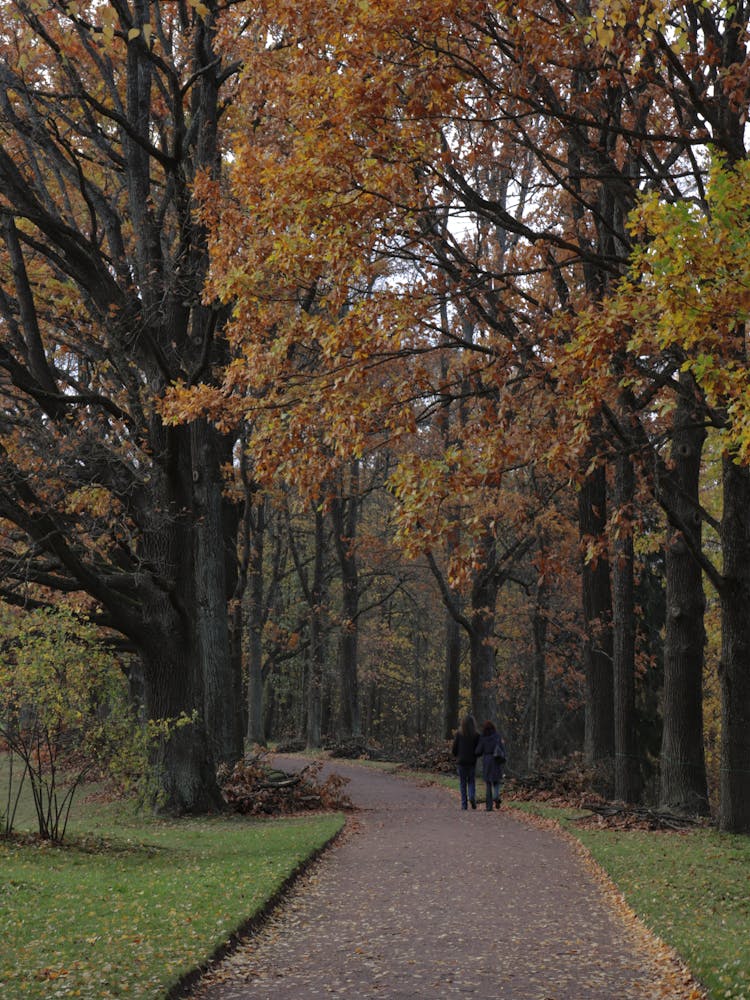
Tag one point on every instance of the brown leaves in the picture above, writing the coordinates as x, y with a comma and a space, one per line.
253, 788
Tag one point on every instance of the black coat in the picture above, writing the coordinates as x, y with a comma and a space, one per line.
465, 748
492, 769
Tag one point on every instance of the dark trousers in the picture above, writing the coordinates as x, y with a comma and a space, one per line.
467, 781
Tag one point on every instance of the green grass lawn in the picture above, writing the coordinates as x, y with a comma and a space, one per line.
131, 904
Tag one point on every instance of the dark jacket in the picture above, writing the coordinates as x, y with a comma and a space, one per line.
492, 769
465, 748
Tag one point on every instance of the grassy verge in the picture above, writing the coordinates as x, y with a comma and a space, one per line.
691, 889
129, 906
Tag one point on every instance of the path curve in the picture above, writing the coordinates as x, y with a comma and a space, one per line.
426, 901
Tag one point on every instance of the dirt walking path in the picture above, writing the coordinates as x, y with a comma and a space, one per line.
423, 900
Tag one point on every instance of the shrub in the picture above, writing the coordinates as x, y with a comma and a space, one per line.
65, 713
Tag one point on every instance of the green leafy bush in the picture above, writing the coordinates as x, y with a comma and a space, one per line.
65, 713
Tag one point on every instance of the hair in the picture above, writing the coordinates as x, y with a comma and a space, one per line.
468, 726
488, 727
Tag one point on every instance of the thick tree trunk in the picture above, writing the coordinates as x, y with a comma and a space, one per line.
683, 766
628, 784
734, 809
221, 683
172, 672
597, 615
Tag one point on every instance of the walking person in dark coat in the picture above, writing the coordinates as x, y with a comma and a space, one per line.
492, 764
465, 751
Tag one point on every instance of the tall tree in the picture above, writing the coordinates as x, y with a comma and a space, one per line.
108, 113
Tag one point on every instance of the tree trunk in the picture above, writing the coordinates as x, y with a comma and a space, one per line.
452, 676
256, 730
318, 635
221, 684
481, 638
172, 671
734, 810
538, 674
597, 616
344, 512
627, 766
683, 766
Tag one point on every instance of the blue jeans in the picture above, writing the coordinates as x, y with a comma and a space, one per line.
493, 792
467, 779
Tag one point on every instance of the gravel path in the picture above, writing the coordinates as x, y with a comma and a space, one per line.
422, 900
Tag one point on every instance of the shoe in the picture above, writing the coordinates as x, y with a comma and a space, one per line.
473, 803
497, 803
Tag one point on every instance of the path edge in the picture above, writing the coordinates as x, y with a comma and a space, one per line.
680, 978
187, 982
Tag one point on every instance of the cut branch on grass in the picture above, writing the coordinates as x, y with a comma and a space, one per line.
254, 788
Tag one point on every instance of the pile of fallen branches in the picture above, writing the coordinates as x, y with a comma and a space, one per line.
293, 744
253, 788
620, 816
565, 781
354, 748
437, 759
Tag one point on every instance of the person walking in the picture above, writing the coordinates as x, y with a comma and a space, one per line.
492, 751
465, 744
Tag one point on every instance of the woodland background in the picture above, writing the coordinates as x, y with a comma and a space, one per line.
365, 364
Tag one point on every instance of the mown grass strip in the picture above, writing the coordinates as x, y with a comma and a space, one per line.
130, 912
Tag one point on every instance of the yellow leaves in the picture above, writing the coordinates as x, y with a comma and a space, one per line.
94, 500
199, 7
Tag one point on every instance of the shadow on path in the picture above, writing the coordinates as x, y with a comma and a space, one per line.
426, 901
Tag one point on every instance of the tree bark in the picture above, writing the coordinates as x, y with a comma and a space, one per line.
734, 669
484, 590
452, 675
318, 635
597, 615
538, 674
627, 765
682, 784
255, 621
344, 514
222, 684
